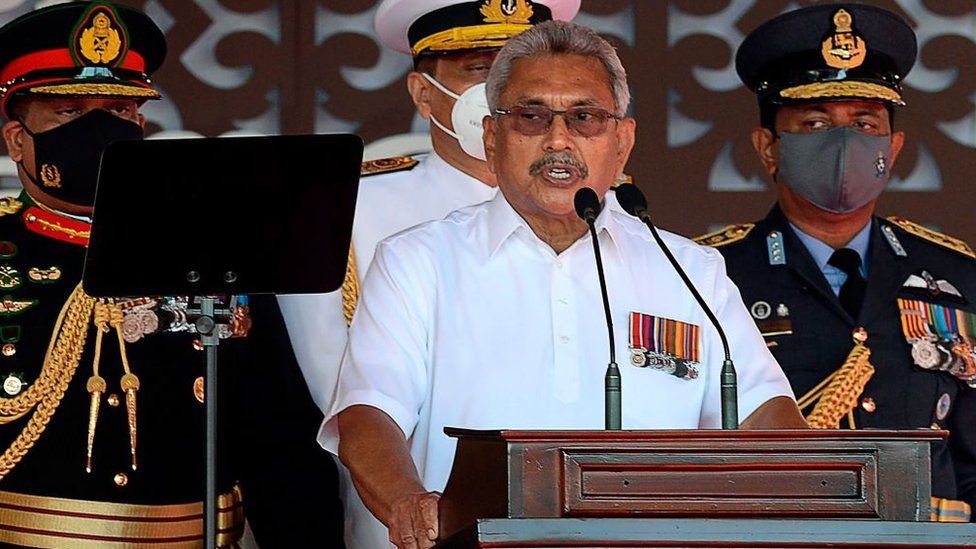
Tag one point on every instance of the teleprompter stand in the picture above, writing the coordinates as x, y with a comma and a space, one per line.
221, 217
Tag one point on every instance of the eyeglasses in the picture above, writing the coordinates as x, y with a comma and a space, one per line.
583, 121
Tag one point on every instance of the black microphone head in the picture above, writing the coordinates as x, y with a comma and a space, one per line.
587, 204
631, 199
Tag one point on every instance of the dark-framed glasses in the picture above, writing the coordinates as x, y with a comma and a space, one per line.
536, 120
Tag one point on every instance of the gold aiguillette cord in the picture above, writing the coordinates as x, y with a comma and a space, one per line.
108, 315
96, 383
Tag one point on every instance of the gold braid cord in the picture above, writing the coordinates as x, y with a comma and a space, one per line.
60, 363
836, 396
350, 288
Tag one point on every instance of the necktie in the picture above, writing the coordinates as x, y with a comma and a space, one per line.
852, 292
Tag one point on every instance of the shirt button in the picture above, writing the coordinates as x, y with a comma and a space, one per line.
563, 301
868, 404
564, 339
559, 264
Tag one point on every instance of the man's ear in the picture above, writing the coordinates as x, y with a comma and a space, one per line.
897, 142
13, 137
488, 136
420, 90
626, 132
764, 142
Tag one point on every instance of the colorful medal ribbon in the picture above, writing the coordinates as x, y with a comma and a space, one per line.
942, 338
665, 344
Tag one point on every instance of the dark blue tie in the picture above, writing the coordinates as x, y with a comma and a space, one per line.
852, 292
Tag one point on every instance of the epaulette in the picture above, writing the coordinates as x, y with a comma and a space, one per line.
387, 165
10, 205
728, 235
624, 179
943, 240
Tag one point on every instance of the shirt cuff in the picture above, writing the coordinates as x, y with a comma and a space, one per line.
328, 436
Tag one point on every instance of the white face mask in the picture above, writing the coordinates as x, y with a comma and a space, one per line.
469, 109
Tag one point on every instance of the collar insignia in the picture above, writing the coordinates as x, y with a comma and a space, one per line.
517, 12
844, 49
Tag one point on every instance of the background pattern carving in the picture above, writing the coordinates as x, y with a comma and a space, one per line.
301, 66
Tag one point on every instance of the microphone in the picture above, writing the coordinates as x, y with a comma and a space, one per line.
632, 200
588, 207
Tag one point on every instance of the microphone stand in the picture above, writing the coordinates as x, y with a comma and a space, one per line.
611, 382
730, 403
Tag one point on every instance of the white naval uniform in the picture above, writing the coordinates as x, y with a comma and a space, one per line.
474, 322
387, 204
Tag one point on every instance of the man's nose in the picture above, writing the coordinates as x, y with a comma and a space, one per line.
559, 137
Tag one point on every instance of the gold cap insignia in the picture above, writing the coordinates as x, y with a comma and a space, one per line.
517, 12
844, 49
50, 175
99, 38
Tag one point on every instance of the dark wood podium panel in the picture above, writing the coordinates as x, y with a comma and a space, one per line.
731, 533
879, 475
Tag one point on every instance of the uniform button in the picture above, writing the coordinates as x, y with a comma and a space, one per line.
121, 479
935, 426
113, 400
868, 404
860, 335
564, 339
197, 345
9, 349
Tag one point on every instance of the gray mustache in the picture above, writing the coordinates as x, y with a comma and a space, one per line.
563, 159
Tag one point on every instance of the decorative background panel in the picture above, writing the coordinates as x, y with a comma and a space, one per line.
299, 66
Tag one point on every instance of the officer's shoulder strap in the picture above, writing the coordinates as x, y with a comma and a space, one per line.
387, 165
934, 237
9, 205
728, 235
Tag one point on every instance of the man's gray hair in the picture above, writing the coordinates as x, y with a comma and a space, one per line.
558, 38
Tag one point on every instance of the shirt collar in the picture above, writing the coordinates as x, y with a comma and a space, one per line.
504, 221
821, 252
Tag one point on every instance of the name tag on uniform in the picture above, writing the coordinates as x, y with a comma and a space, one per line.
665, 344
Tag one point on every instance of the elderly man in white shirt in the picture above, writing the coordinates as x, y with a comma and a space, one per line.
492, 317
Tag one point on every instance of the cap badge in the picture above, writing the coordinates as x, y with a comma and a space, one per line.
517, 12
843, 49
99, 38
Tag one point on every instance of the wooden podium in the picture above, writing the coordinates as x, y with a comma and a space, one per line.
693, 489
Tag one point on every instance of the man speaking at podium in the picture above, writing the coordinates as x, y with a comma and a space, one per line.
492, 317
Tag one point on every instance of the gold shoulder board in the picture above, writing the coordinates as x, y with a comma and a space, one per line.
624, 179
943, 240
10, 205
387, 165
728, 235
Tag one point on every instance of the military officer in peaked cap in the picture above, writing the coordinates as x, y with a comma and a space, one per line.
453, 44
873, 319
101, 402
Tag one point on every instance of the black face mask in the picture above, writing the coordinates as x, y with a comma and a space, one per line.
66, 158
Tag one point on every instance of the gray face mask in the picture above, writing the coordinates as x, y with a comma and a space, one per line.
837, 170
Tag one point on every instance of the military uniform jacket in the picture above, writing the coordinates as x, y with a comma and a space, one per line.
810, 334
267, 418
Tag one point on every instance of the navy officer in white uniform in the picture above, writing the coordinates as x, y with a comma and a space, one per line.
492, 317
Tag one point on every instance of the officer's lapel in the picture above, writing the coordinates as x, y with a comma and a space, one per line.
886, 274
